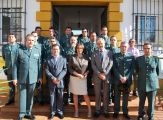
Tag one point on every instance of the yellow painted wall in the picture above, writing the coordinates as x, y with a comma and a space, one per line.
114, 16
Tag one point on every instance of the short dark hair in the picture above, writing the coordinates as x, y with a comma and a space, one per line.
53, 38
84, 29
147, 43
10, 34
55, 45
92, 33
37, 27
52, 28
112, 37
68, 27
104, 27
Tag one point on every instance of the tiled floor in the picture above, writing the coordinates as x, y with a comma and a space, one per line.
42, 112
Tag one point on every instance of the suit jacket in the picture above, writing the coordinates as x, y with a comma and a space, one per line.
56, 70
123, 67
27, 69
99, 66
9, 55
75, 65
147, 73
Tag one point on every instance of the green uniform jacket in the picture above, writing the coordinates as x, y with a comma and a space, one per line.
123, 66
9, 55
148, 72
27, 69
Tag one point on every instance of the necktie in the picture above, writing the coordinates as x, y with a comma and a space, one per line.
101, 55
29, 51
147, 59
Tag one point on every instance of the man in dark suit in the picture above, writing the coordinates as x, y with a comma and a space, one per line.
26, 72
56, 69
102, 62
9, 52
147, 67
123, 68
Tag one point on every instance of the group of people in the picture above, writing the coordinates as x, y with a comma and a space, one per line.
73, 64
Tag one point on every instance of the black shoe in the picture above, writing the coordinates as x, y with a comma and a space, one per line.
10, 102
126, 116
140, 118
115, 115
32, 117
66, 103
51, 116
106, 114
96, 114
61, 116
20, 118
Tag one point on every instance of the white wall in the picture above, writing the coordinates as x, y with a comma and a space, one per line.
31, 23
127, 10
126, 25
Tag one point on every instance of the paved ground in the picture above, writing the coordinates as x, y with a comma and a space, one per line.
42, 112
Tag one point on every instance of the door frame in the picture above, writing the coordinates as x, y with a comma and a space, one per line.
114, 15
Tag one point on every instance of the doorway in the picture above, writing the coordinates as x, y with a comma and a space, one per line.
79, 17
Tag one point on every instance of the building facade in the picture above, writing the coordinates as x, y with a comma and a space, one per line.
139, 19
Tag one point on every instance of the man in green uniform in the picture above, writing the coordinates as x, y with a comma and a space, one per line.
40, 37
104, 35
65, 39
9, 52
123, 68
69, 51
26, 72
114, 48
83, 39
90, 47
147, 67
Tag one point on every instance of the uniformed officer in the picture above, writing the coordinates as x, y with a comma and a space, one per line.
113, 45
40, 39
114, 48
65, 39
69, 51
83, 39
90, 47
9, 52
104, 35
147, 67
26, 72
123, 68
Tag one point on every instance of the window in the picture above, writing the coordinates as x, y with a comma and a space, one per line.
11, 23
146, 30
148, 22
12, 19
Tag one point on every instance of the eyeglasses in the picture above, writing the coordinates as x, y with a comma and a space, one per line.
52, 41
84, 31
